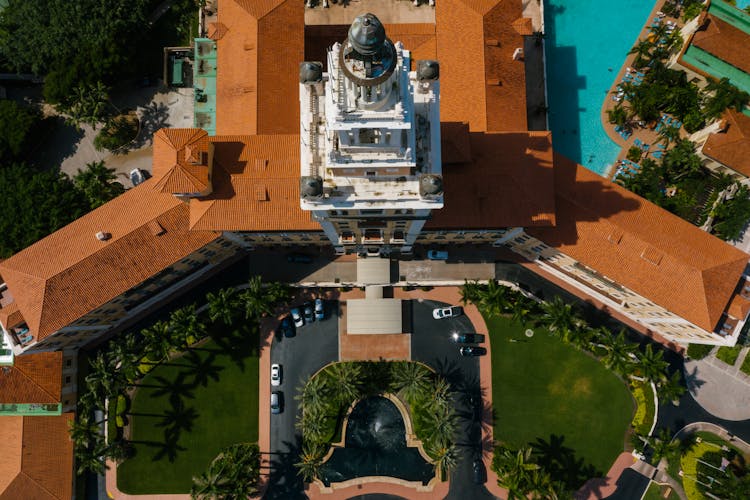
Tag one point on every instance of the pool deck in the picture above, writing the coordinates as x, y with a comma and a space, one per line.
644, 134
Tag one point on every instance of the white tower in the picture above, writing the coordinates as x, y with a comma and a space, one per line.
370, 142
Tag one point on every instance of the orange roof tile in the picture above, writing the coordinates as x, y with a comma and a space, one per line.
523, 26
46, 459
71, 272
11, 316
266, 35
641, 246
509, 182
216, 31
37, 458
724, 41
731, 147
179, 160
480, 83
33, 378
256, 186
739, 307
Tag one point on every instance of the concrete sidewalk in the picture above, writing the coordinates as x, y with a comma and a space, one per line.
721, 389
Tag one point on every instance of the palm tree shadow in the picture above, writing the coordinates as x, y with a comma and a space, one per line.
561, 462
203, 369
450, 371
692, 381
176, 389
283, 480
169, 448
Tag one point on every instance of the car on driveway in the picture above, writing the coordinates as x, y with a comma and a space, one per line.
467, 338
277, 402
447, 312
275, 374
286, 328
437, 255
299, 258
307, 308
319, 311
297, 317
479, 474
472, 351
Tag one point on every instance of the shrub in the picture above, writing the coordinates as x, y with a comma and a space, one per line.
645, 410
634, 154
729, 354
117, 133
119, 421
699, 351
122, 405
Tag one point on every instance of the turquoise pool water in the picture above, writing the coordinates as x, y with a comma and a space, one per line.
586, 44
743, 3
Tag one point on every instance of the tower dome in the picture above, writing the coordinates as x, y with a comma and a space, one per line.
367, 35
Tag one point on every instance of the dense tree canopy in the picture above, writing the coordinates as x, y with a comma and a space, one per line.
16, 122
35, 203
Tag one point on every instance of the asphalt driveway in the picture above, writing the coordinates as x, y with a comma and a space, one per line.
431, 344
314, 346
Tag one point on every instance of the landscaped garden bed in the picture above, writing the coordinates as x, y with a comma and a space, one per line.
712, 465
729, 355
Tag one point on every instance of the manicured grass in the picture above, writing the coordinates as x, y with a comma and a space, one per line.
699, 351
745, 368
541, 386
655, 492
185, 411
729, 354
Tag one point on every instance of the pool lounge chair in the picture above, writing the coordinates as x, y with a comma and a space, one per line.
657, 154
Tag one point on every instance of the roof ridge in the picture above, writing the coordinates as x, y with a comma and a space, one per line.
25, 375
37, 483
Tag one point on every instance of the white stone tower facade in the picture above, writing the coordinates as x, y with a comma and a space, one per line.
370, 142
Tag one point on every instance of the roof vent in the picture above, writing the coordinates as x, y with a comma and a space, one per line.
310, 72
428, 70
430, 185
311, 187
103, 236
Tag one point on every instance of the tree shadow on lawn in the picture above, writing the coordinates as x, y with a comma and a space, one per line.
561, 462
284, 482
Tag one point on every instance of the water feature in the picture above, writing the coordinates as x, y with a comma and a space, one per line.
375, 445
586, 44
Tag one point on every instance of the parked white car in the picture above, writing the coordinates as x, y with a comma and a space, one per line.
447, 312
275, 374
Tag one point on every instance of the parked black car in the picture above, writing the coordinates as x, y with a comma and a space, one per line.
473, 351
286, 327
479, 472
467, 338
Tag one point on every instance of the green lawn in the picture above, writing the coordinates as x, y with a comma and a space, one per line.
729, 354
656, 492
541, 386
187, 410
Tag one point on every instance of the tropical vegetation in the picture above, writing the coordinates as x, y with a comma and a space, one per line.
327, 396
704, 474
232, 475
17, 123
182, 404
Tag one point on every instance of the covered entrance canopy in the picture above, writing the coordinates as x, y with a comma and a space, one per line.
373, 316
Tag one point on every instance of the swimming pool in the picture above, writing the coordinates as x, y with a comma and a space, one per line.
586, 44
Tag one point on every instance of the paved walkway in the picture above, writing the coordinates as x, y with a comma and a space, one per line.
721, 389
598, 488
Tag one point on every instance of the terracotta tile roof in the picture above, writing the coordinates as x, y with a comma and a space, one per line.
523, 26
509, 182
724, 41
731, 147
33, 378
641, 246
267, 34
739, 307
37, 458
179, 160
71, 272
455, 146
216, 31
11, 316
256, 186
480, 83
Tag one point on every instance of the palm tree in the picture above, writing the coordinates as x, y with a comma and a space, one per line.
664, 447
232, 474
494, 298
618, 115
619, 353
411, 380
642, 51
445, 457
514, 469
278, 293
254, 299
470, 292
222, 305
88, 105
83, 432
314, 393
311, 459
312, 423
210, 485
158, 342
560, 317
98, 183
521, 308
723, 95
671, 388
90, 461
125, 354
441, 391
102, 379
185, 327
346, 377
652, 365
